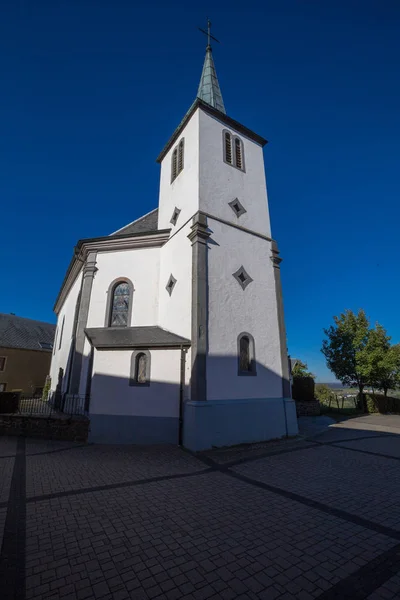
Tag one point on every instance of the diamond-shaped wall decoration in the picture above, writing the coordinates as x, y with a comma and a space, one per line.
237, 207
175, 215
171, 284
242, 277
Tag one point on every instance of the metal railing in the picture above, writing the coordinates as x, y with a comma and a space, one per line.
56, 405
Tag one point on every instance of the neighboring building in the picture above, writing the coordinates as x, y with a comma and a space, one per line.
25, 354
172, 328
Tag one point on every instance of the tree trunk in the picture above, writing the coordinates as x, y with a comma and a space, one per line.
385, 391
362, 399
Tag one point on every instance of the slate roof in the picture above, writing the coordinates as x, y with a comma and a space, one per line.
134, 337
27, 334
144, 224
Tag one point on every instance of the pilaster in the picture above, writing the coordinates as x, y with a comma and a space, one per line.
276, 261
199, 236
89, 271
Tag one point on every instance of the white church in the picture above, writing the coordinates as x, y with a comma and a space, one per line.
171, 329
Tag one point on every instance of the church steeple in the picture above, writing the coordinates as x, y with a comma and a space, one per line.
209, 90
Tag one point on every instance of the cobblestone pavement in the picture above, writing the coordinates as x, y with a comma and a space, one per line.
298, 519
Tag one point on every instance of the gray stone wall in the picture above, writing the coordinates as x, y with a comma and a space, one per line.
310, 408
74, 430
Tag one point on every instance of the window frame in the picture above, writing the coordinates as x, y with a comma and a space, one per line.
110, 296
133, 382
233, 140
253, 365
178, 159
4, 364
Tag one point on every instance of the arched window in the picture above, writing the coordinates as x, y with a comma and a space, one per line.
228, 147
246, 355
233, 150
119, 303
181, 155
238, 153
174, 165
177, 159
140, 368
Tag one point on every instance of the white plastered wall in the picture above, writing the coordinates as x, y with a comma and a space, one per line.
112, 395
221, 183
61, 355
233, 310
141, 266
174, 312
183, 192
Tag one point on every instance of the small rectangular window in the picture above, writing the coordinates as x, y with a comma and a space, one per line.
46, 345
2, 363
3, 387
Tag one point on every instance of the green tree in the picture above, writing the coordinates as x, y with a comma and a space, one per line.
345, 350
323, 393
300, 369
383, 359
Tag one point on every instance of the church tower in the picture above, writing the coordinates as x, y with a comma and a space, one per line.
222, 269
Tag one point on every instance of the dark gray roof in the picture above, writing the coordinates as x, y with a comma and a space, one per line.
18, 332
146, 223
134, 337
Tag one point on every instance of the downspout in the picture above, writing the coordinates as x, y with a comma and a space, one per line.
181, 393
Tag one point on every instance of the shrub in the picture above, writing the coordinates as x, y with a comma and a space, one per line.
378, 403
323, 393
46, 389
303, 389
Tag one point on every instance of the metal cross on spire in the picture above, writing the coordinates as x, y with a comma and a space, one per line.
208, 34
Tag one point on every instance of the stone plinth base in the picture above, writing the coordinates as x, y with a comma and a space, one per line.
217, 423
308, 409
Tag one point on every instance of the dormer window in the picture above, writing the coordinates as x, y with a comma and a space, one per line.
177, 159
233, 150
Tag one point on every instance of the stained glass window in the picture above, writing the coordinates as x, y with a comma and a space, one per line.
120, 305
244, 356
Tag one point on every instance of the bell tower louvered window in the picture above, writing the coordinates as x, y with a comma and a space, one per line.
238, 153
174, 164
228, 147
233, 150
178, 159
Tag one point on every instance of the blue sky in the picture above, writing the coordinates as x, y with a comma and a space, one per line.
91, 91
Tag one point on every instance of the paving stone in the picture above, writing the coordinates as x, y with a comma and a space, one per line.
207, 535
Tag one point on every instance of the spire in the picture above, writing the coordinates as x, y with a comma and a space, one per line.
209, 90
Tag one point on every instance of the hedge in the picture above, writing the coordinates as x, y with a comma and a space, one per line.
378, 403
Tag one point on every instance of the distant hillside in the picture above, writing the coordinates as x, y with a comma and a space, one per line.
333, 385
